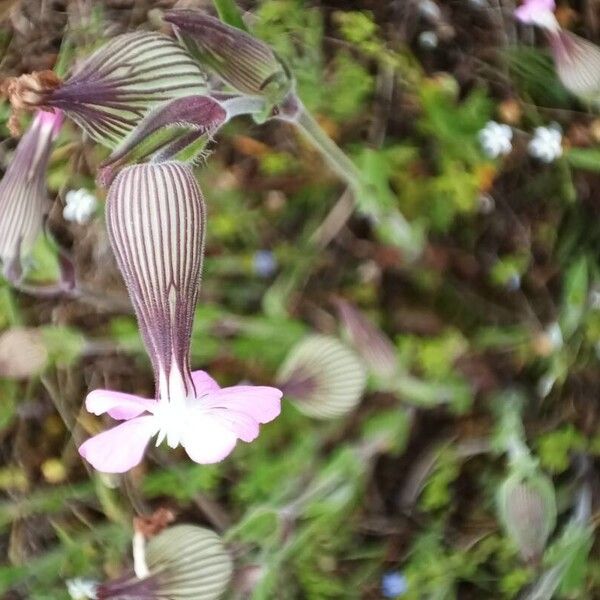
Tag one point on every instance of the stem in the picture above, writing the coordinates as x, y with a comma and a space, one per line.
338, 161
244, 105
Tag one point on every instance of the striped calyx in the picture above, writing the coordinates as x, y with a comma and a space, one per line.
577, 64
323, 377
171, 129
155, 217
240, 60
184, 562
23, 198
117, 85
527, 509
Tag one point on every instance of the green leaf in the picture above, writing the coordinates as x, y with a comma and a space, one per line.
574, 298
587, 159
229, 13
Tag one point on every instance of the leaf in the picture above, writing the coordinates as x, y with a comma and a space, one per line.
229, 13
574, 297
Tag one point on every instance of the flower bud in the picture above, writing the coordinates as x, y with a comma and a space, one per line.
242, 61
323, 377
527, 509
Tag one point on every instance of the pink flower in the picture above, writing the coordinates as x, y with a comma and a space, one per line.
207, 423
538, 12
155, 218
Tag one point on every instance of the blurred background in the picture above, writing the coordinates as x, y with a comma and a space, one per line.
463, 465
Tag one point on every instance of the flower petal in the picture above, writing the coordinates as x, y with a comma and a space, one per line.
120, 448
118, 405
155, 218
206, 439
262, 403
204, 383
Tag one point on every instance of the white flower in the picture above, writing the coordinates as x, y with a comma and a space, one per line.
81, 589
430, 10
546, 143
81, 206
428, 39
495, 139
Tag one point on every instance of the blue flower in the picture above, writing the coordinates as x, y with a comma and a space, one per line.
264, 263
393, 584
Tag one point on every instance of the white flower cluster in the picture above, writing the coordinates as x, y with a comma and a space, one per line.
496, 139
80, 206
545, 145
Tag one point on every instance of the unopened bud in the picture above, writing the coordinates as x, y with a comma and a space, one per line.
527, 509
242, 61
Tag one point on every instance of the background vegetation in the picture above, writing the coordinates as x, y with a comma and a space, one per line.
497, 318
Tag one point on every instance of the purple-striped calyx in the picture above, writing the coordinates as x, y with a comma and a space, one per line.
156, 219
114, 88
242, 61
23, 198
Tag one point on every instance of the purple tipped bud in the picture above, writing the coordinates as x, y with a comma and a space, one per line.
242, 61
323, 377
184, 562
117, 85
527, 509
155, 217
23, 198
370, 342
171, 128
577, 64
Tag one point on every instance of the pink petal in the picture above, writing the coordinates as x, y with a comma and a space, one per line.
530, 9
206, 439
120, 448
118, 405
260, 402
204, 383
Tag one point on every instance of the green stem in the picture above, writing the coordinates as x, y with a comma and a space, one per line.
337, 160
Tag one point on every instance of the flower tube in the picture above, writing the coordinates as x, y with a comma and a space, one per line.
23, 199
115, 87
155, 219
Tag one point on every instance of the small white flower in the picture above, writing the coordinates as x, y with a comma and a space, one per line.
428, 39
495, 139
81, 206
555, 337
430, 10
82, 589
546, 143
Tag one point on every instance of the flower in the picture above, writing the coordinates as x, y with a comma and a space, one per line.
155, 219
81, 589
538, 12
264, 263
546, 144
80, 206
495, 139
23, 199
393, 584
206, 420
